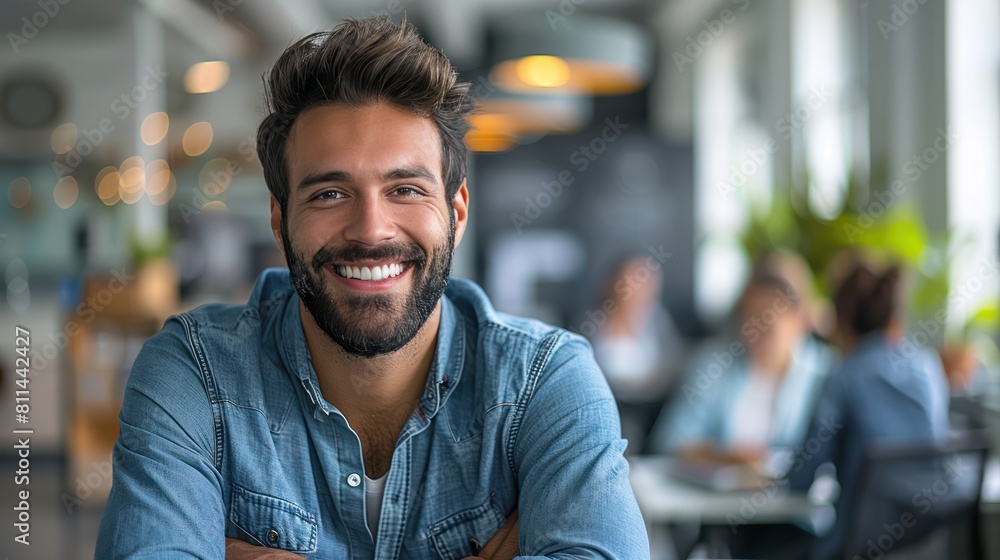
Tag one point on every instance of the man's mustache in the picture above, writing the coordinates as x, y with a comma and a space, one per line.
397, 252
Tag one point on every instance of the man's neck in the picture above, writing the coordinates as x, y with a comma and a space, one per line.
371, 386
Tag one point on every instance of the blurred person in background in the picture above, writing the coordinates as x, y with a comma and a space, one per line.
637, 346
880, 394
749, 398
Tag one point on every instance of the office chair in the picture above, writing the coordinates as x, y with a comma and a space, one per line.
908, 492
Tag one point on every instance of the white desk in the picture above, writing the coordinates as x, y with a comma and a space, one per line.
664, 499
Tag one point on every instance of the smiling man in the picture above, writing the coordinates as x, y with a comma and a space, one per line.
361, 404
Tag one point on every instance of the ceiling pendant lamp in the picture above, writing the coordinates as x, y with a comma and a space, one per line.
506, 119
583, 54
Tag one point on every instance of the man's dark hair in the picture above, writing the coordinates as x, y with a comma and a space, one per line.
360, 62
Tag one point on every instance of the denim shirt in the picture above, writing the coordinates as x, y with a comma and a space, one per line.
225, 433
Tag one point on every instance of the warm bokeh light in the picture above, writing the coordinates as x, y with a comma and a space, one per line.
501, 123
496, 122
206, 77
160, 182
155, 178
606, 78
489, 141
543, 71
132, 197
108, 184
64, 138
167, 191
215, 206
154, 128
132, 179
197, 138
66, 192
215, 177
596, 77
19, 192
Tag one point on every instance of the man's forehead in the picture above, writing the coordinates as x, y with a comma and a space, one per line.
376, 138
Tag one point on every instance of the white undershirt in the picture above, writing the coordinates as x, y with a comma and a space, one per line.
753, 411
373, 501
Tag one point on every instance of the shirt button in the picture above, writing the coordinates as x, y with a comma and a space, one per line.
353, 480
273, 536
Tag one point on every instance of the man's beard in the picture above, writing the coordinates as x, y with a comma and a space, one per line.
371, 324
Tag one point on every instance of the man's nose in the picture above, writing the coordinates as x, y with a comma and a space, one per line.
370, 221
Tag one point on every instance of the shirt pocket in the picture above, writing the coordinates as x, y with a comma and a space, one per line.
273, 522
454, 535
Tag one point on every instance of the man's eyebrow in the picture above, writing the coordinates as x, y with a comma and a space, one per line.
323, 177
415, 172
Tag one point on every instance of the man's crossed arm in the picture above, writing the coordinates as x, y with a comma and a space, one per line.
503, 546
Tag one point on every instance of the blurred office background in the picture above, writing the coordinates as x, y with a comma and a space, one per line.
631, 162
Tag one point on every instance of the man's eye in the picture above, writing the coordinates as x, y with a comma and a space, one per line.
407, 192
329, 195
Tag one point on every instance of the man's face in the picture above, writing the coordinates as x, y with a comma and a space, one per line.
368, 233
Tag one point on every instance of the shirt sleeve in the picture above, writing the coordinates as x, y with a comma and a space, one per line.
575, 499
166, 496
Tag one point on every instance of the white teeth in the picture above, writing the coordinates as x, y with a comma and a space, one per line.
373, 273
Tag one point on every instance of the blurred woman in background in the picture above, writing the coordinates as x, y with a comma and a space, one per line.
749, 398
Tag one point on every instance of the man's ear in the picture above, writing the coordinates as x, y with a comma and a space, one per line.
276, 224
460, 206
